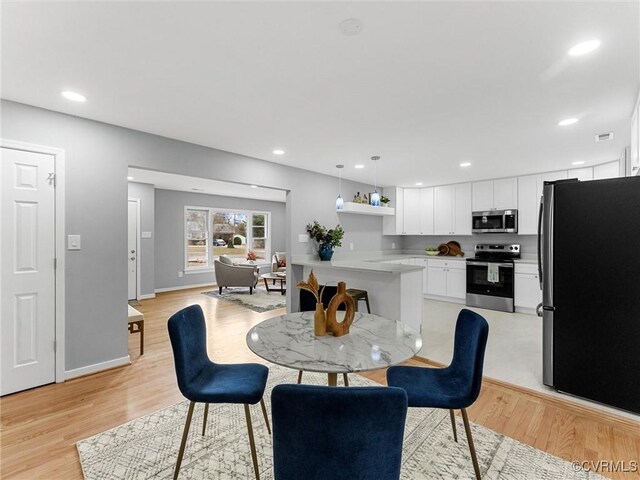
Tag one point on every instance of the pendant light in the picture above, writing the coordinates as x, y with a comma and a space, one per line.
339, 200
375, 196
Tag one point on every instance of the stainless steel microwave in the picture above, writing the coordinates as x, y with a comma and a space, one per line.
495, 221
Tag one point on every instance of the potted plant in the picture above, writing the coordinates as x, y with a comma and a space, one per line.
384, 200
327, 239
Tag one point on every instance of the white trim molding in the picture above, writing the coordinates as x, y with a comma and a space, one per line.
184, 287
97, 367
60, 296
147, 296
138, 246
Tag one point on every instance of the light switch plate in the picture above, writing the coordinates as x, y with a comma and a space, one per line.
146, 234
74, 242
303, 238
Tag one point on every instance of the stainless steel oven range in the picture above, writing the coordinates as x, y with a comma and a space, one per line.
490, 276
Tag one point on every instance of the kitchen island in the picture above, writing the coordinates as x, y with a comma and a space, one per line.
395, 290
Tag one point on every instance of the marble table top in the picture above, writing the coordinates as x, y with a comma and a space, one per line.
373, 342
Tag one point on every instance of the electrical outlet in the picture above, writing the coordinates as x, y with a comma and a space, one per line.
393, 245
180, 274
350, 245
303, 238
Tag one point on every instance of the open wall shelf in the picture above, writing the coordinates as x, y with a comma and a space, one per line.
364, 209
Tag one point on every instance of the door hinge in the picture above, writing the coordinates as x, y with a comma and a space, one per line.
55, 346
55, 263
51, 178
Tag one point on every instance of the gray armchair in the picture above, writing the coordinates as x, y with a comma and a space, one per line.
230, 275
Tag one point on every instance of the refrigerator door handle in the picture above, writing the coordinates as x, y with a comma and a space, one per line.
541, 209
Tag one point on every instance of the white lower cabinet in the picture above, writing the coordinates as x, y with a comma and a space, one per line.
527, 294
422, 262
447, 278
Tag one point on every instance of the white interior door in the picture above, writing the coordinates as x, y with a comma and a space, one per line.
132, 249
27, 243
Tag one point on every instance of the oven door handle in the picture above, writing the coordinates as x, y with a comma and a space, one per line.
486, 264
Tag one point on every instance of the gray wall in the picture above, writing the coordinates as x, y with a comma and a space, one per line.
97, 158
170, 231
146, 194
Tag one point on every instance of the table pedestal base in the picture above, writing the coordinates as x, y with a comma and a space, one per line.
332, 379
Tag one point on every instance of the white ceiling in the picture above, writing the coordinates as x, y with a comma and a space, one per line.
169, 181
425, 85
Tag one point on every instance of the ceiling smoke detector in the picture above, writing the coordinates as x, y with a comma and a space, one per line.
601, 137
350, 27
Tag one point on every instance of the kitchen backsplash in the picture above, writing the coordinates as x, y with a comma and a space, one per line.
528, 243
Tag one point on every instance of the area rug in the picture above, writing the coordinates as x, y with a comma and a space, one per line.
259, 301
148, 446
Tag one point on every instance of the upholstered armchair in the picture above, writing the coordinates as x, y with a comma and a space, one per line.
279, 262
230, 275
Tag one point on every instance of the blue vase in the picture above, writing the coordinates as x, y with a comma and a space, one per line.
325, 251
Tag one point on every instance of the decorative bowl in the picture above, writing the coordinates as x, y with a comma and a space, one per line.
432, 253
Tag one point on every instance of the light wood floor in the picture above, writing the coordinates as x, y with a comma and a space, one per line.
41, 426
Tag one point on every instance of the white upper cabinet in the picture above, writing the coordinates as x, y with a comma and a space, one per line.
452, 209
462, 209
394, 225
482, 195
582, 174
528, 204
606, 170
426, 211
505, 193
443, 210
499, 194
411, 211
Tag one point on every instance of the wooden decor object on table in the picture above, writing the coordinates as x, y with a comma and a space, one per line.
319, 321
342, 328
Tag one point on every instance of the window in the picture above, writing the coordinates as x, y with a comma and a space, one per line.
197, 236
211, 232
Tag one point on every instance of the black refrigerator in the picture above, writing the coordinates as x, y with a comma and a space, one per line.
589, 262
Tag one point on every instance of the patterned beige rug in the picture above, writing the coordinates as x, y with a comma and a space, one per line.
148, 446
259, 301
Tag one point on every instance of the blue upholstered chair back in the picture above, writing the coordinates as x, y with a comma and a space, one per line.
322, 433
470, 341
188, 334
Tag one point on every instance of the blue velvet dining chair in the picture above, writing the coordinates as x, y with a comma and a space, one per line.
456, 386
201, 380
334, 433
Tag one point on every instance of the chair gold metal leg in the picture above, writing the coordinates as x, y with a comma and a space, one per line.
266, 417
184, 439
346, 379
252, 442
204, 421
300, 377
472, 449
453, 425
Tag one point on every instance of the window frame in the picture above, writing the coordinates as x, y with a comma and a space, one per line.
210, 255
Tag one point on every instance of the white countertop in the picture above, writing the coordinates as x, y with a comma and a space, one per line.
376, 265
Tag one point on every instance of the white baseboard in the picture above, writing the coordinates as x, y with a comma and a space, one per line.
147, 296
97, 367
184, 287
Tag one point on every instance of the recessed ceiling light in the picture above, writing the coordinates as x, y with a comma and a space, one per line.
567, 121
76, 97
278, 151
254, 186
584, 47
465, 164
579, 162
419, 184
350, 27
358, 166
129, 178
